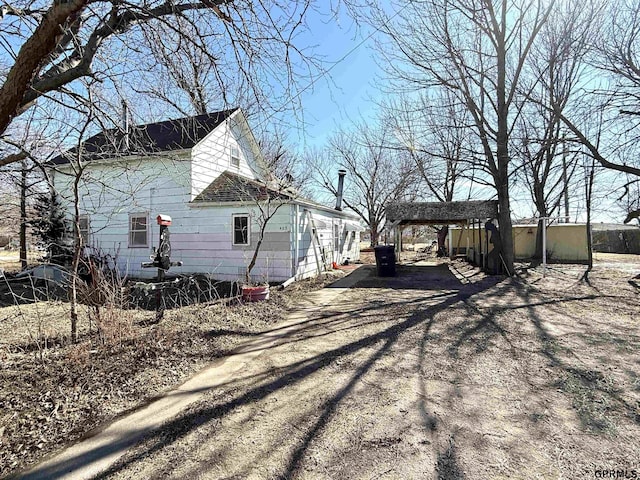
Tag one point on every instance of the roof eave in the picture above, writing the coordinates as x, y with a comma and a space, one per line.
340, 213
206, 203
183, 152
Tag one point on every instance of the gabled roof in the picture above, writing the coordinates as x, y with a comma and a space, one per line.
169, 135
231, 187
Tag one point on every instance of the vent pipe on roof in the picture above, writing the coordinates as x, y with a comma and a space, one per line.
341, 174
125, 126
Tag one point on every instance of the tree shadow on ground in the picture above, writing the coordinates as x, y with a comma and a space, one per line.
381, 342
411, 277
586, 386
480, 329
448, 464
592, 392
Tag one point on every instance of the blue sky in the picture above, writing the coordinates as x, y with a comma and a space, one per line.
350, 93
348, 90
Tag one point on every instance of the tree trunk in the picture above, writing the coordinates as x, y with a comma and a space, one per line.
502, 154
77, 250
589, 195
374, 235
504, 219
252, 263
23, 217
73, 297
537, 254
28, 60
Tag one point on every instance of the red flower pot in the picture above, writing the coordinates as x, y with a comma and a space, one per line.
255, 294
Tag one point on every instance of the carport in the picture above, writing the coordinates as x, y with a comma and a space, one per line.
468, 215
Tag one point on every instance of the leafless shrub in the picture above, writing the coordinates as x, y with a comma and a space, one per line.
102, 292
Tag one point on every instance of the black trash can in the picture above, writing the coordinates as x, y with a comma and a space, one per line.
385, 260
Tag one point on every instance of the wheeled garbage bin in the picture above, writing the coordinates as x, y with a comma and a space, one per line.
385, 260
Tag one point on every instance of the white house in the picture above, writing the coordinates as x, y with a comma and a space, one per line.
206, 173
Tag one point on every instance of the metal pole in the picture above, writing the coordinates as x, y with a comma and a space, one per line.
544, 246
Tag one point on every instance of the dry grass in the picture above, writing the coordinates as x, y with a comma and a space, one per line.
53, 391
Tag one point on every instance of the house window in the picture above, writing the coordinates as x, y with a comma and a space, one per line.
138, 230
235, 156
336, 237
241, 229
83, 224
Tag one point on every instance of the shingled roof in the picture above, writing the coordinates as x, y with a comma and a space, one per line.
169, 135
230, 187
440, 212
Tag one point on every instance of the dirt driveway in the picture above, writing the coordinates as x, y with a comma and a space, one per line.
437, 373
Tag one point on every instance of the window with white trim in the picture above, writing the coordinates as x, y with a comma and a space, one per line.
83, 224
234, 156
241, 229
138, 230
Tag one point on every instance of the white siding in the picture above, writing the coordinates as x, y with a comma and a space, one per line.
201, 235
205, 244
212, 155
325, 222
111, 191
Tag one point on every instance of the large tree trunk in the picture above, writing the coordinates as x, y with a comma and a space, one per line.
30, 57
504, 203
375, 234
23, 217
502, 153
504, 219
589, 196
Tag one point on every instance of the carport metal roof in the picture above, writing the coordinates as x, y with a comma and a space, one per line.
402, 213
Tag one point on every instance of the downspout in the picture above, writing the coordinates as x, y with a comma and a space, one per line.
296, 240
152, 193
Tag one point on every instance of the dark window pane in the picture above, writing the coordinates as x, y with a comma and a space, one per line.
240, 230
138, 238
138, 223
138, 231
235, 156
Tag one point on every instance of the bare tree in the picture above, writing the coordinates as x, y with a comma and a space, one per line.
27, 177
377, 173
478, 52
242, 46
283, 183
546, 158
284, 168
614, 143
434, 131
